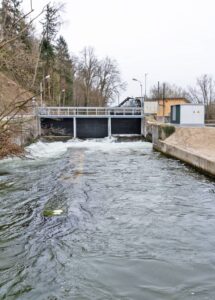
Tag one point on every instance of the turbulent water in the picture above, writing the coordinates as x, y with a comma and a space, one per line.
129, 224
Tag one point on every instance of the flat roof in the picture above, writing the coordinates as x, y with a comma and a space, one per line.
166, 98
189, 104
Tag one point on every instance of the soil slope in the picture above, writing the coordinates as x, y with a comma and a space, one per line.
10, 91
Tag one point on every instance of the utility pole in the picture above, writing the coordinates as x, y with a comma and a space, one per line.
146, 74
158, 90
164, 89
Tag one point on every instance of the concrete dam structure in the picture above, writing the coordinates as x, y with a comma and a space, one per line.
90, 122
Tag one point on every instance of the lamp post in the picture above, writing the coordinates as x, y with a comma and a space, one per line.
63, 91
41, 89
141, 89
146, 74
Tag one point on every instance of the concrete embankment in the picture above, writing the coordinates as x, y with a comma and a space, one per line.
195, 146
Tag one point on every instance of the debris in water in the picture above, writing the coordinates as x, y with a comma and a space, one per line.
51, 213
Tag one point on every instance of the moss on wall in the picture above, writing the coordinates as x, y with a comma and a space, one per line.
165, 131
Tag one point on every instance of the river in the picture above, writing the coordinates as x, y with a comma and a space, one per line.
105, 220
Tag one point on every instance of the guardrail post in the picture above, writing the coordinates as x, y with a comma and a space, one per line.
74, 128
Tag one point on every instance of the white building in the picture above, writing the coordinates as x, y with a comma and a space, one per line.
188, 114
150, 107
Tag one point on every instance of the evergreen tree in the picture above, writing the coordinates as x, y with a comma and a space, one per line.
64, 68
50, 28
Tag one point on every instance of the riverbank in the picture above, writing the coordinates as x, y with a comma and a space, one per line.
194, 146
21, 132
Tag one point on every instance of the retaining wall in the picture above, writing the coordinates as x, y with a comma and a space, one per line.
194, 146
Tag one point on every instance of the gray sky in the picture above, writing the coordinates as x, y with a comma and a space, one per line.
171, 40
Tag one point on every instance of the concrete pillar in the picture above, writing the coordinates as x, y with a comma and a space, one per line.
109, 128
142, 127
38, 126
74, 128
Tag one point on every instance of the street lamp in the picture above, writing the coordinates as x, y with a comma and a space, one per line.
146, 74
63, 91
141, 89
41, 89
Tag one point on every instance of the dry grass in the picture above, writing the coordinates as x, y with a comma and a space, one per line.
10, 92
8, 148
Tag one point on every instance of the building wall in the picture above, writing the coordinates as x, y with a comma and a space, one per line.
165, 110
192, 114
150, 107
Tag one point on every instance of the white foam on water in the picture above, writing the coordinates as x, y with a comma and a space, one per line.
55, 149
46, 150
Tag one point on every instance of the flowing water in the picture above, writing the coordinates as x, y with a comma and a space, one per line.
105, 220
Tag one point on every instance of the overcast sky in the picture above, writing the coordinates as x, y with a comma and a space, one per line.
171, 40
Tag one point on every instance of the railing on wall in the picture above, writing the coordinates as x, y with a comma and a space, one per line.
88, 111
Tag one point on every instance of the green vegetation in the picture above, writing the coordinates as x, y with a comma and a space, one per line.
165, 131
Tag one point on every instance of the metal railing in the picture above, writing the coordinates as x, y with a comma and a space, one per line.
88, 111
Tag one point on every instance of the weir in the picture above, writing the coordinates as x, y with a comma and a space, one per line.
90, 122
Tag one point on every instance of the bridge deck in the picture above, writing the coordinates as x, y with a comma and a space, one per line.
90, 112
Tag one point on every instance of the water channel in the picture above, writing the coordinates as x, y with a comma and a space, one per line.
105, 220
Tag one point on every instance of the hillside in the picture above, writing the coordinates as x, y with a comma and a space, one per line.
10, 91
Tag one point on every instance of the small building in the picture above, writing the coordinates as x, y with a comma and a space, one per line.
151, 107
161, 107
164, 105
188, 114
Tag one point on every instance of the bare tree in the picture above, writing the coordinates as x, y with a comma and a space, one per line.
87, 72
204, 92
15, 58
97, 81
171, 91
109, 81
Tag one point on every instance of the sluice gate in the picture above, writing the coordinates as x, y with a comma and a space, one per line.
90, 122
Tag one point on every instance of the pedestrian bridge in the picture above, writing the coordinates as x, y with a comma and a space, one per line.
90, 122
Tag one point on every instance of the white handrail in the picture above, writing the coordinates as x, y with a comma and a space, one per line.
92, 111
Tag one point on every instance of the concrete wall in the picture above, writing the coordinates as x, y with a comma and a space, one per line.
201, 158
201, 163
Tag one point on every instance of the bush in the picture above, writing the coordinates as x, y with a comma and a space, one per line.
8, 148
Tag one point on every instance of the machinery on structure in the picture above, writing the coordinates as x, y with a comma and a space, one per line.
130, 102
